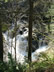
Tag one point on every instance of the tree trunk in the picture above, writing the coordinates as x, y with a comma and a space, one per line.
30, 30
49, 18
15, 36
49, 24
1, 43
11, 45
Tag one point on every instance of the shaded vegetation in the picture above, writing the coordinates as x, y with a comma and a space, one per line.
45, 65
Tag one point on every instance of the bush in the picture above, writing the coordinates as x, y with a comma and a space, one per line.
11, 65
45, 65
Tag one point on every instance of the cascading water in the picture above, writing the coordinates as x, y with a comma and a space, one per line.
22, 45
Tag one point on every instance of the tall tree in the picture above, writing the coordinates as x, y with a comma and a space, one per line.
30, 29
1, 37
15, 36
49, 16
1, 43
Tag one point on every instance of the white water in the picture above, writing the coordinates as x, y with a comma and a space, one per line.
21, 47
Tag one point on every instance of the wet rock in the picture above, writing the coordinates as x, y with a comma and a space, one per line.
20, 32
35, 45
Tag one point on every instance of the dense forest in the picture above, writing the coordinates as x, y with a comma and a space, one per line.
26, 35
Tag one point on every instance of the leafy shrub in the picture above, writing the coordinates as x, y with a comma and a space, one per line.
11, 65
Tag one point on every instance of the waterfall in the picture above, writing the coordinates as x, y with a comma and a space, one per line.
22, 45
42, 47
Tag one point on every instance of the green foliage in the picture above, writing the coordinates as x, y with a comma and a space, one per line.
4, 27
11, 65
46, 64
